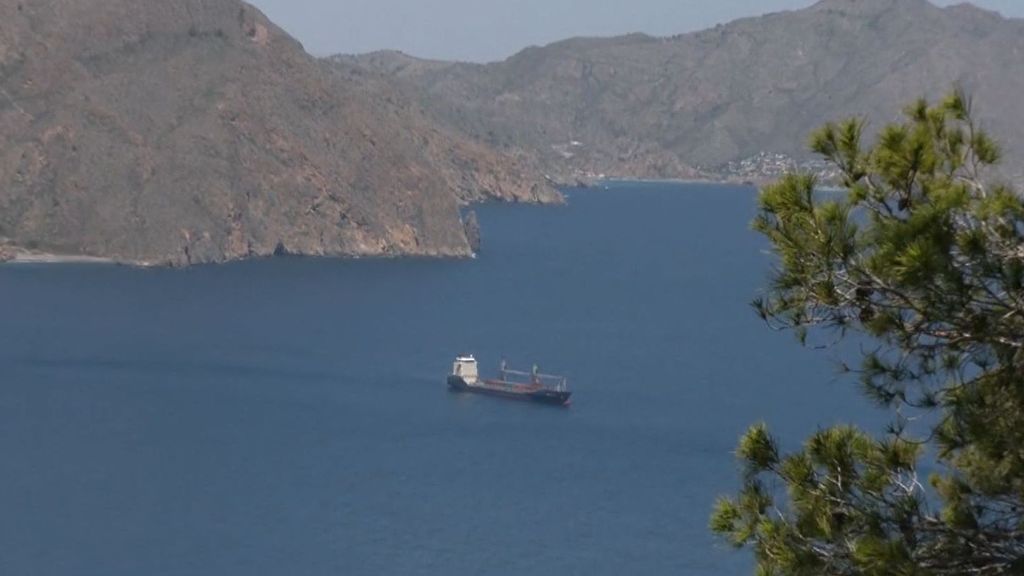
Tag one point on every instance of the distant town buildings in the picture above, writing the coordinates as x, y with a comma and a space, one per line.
771, 165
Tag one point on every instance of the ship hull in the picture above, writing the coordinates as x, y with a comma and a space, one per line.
541, 396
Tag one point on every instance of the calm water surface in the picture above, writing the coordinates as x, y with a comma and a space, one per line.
289, 416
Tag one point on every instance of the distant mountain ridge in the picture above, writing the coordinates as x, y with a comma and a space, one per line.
689, 105
189, 131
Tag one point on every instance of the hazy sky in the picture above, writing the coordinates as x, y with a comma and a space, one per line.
483, 30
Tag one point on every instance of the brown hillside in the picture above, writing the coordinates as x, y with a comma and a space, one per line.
185, 131
660, 107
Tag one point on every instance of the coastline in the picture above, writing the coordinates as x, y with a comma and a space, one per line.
14, 255
592, 180
704, 181
25, 257
606, 181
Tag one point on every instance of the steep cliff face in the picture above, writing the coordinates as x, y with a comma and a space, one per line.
664, 107
473, 170
186, 131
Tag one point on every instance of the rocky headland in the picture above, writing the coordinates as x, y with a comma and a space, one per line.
188, 131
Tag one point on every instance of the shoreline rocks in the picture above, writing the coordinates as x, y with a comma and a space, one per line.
472, 229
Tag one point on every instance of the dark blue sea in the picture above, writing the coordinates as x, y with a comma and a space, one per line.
289, 416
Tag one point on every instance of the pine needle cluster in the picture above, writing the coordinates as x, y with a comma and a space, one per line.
926, 259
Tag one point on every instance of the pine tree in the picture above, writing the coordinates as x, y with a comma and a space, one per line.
923, 257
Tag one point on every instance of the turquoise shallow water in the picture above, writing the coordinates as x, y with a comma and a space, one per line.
289, 416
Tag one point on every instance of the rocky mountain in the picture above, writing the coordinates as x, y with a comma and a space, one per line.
186, 131
738, 95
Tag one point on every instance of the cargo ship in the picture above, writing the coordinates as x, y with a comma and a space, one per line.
516, 385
